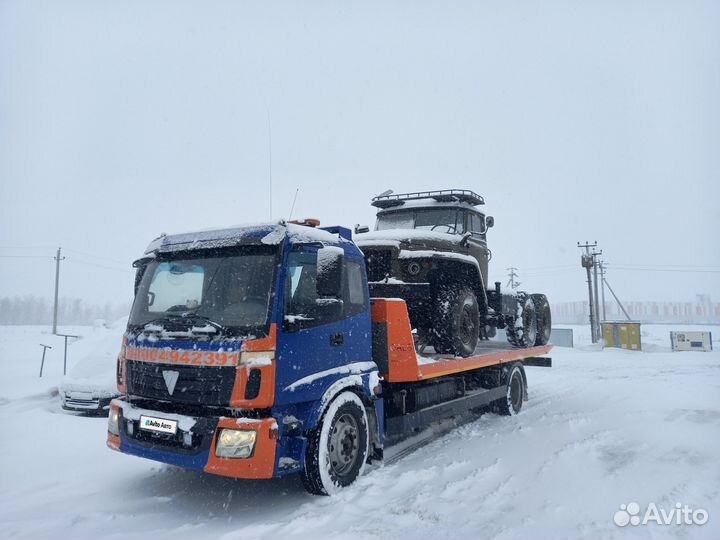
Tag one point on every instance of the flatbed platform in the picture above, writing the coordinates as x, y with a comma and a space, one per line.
434, 365
394, 349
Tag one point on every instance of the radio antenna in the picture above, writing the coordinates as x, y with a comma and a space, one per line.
293, 203
270, 171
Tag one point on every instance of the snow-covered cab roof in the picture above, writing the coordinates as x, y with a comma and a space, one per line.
247, 235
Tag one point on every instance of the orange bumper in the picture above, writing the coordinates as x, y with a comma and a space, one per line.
261, 464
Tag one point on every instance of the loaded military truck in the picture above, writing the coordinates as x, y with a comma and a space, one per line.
257, 352
430, 249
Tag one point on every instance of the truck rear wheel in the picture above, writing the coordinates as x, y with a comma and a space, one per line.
515, 393
521, 331
456, 321
338, 448
544, 318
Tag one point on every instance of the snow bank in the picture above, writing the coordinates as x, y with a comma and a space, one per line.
601, 429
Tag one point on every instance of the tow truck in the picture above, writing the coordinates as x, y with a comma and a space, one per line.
255, 352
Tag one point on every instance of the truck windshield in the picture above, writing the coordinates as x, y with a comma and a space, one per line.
225, 294
445, 220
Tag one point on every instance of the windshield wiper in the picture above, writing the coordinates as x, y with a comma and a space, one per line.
219, 327
190, 318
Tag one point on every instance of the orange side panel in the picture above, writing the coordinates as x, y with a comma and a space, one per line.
260, 465
402, 361
403, 364
266, 397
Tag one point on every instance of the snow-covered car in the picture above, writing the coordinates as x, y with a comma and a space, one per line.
90, 385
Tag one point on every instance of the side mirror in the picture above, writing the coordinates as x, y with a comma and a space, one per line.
329, 272
359, 229
489, 222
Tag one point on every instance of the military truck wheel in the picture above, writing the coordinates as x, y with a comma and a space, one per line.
544, 318
456, 321
522, 328
338, 448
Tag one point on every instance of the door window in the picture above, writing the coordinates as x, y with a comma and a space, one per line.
302, 306
477, 224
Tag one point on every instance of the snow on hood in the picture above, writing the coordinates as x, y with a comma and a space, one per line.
400, 235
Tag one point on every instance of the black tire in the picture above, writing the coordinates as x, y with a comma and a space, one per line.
338, 448
521, 329
511, 404
456, 318
544, 319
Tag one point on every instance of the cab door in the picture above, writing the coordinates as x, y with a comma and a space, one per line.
317, 339
477, 243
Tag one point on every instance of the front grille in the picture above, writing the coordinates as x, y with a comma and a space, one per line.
378, 263
83, 403
201, 385
183, 442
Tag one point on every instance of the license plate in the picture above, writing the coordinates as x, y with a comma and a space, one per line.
158, 425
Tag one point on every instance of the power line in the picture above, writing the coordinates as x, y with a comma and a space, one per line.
88, 263
26, 247
95, 256
550, 267
26, 256
670, 265
679, 270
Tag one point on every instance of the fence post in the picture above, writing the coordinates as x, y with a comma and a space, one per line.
42, 362
66, 336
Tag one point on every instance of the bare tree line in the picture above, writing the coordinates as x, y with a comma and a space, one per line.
30, 309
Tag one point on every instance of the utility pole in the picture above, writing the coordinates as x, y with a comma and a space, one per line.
58, 258
595, 285
512, 275
587, 262
602, 287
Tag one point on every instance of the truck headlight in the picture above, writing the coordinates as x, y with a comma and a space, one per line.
235, 443
114, 421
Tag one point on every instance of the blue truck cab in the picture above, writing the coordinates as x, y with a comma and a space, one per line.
248, 353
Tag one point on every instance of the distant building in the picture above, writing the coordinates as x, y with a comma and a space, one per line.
702, 311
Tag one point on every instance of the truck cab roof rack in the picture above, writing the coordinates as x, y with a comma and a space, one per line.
443, 195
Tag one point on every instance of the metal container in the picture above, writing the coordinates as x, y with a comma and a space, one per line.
622, 335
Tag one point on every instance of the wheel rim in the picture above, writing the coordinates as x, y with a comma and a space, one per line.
344, 444
467, 326
516, 392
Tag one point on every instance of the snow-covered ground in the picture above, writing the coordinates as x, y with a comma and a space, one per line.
601, 429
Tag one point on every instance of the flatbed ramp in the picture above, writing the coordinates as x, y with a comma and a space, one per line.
429, 394
394, 349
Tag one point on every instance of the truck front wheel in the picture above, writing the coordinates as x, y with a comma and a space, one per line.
338, 448
456, 321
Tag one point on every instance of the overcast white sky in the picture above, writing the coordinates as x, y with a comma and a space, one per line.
575, 120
